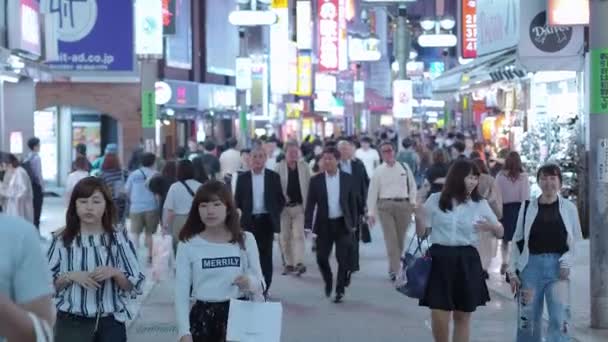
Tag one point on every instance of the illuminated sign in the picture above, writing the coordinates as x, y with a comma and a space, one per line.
568, 12
279, 50
169, 16
304, 25
403, 99
149, 27
304, 75
329, 31
24, 26
468, 43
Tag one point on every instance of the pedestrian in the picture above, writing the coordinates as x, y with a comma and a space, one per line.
355, 167
81, 151
216, 261
548, 229
25, 284
391, 199
457, 150
435, 175
368, 155
111, 148
456, 285
408, 155
210, 161
81, 170
114, 177
160, 184
143, 211
331, 216
34, 163
17, 189
179, 199
230, 160
515, 189
259, 196
94, 267
488, 189
295, 179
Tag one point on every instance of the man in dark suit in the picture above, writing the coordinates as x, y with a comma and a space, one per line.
259, 196
331, 194
355, 168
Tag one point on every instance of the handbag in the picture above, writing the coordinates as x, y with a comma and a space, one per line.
415, 271
254, 321
366, 235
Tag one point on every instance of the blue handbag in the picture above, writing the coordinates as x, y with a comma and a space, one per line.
415, 271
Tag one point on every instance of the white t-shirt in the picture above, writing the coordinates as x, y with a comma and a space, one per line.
230, 161
179, 198
456, 227
370, 158
211, 268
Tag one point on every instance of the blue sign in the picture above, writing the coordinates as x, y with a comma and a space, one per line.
436, 69
94, 35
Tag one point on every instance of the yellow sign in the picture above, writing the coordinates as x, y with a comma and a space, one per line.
304, 75
280, 3
292, 111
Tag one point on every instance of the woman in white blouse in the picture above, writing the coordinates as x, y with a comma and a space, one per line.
216, 261
456, 285
179, 199
16, 189
95, 269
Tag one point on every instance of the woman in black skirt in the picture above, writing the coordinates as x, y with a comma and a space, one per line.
456, 284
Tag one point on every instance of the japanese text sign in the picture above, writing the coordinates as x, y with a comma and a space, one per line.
329, 52
599, 81
469, 29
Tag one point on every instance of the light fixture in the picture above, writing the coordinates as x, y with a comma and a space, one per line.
447, 23
15, 62
252, 18
395, 66
170, 111
427, 24
413, 54
166, 122
437, 40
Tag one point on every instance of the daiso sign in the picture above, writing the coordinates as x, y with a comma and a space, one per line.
329, 31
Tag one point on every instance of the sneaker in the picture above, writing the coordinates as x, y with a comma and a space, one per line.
392, 276
288, 270
300, 269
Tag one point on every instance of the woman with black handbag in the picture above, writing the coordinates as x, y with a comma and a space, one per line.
456, 284
95, 269
546, 235
216, 261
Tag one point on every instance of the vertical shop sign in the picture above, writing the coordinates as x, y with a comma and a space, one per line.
148, 109
468, 43
24, 26
169, 17
304, 75
402, 99
599, 84
149, 27
244, 66
329, 30
602, 161
304, 25
359, 91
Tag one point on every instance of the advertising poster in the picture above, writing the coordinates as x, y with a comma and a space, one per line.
94, 36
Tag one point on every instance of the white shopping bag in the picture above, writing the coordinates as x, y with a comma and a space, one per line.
254, 321
162, 251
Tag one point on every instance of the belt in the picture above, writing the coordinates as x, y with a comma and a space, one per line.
259, 215
396, 199
290, 205
341, 218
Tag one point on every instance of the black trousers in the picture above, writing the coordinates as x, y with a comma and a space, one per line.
72, 328
264, 236
209, 321
334, 232
38, 198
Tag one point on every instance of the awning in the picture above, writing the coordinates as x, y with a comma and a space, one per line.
482, 70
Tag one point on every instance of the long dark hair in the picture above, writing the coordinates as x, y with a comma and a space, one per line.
209, 192
85, 189
454, 188
513, 167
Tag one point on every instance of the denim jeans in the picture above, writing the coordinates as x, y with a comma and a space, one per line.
540, 282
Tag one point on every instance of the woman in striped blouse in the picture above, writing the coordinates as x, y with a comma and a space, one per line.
95, 269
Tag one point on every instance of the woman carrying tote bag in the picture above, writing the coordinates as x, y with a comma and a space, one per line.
218, 261
456, 284
95, 269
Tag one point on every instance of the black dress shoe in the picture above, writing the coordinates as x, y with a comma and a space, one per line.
288, 269
339, 297
328, 289
299, 269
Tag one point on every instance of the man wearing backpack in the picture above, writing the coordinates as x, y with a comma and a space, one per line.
33, 165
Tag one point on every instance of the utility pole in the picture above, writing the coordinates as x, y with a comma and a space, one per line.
402, 55
598, 174
241, 94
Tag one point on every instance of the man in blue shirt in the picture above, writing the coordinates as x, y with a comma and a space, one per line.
144, 213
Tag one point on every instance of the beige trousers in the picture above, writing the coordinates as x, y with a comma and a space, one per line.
292, 235
395, 218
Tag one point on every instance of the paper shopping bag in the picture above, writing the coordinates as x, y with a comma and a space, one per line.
254, 321
162, 256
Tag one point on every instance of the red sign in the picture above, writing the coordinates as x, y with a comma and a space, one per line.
329, 29
468, 45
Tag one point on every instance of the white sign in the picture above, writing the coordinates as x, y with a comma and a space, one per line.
304, 25
325, 82
292, 60
497, 25
163, 93
243, 73
149, 27
602, 161
359, 91
279, 50
363, 50
403, 99
16, 143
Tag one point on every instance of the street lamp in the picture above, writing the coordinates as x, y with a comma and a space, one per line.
437, 38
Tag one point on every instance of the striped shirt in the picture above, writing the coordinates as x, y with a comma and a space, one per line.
86, 253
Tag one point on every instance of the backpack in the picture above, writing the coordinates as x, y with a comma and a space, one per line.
409, 157
27, 166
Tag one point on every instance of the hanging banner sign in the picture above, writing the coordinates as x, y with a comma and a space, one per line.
468, 43
243, 73
402, 99
169, 17
329, 30
599, 81
304, 75
359, 91
148, 109
149, 27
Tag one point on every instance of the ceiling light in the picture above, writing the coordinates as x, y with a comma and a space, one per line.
413, 54
252, 18
170, 111
395, 66
447, 23
427, 24
437, 40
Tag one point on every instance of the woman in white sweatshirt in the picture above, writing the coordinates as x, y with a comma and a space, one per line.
218, 261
